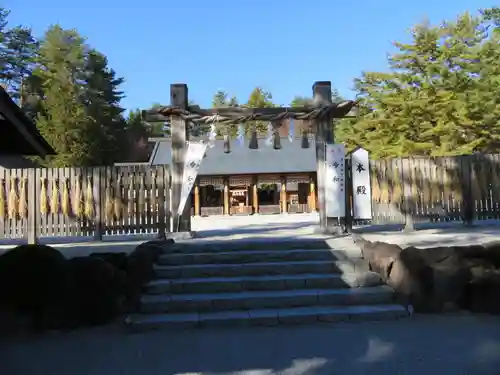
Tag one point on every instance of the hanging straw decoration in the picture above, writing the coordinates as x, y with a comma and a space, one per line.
415, 191
375, 186
12, 202
455, 186
305, 139
384, 186
66, 203
130, 198
108, 202
241, 134
291, 130
276, 139
78, 199
44, 206
89, 200
227, 144
436, 185
269, 138
54, 198
117, 201
495, 181
23, 202
396, 186
212, 135
2, 198
254, 143
480, 183
142, 194
426, 188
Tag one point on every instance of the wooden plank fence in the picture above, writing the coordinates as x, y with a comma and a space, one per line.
461, 188
98, 201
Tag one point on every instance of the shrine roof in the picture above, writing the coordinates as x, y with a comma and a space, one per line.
18, 134
291, 158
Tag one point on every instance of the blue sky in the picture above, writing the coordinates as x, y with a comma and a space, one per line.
282, 46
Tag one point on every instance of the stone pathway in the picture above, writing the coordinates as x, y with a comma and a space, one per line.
444, 345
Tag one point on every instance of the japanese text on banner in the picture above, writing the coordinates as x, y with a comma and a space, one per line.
335, 180
192, 162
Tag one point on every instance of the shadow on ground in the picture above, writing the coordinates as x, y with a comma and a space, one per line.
457, 344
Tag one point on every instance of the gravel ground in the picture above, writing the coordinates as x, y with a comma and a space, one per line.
446, 344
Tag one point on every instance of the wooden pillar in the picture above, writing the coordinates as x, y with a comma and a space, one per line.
226, 197
255, 198
283, 197
32, 222
312, 196
196, 199
322, 95
180, 135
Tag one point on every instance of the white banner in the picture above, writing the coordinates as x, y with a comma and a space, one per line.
192, 162
362, 194
335, 180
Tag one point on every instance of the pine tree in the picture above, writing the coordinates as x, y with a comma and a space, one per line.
221, 99
101, 97
63, 120
18, 50
259, 98
435, 99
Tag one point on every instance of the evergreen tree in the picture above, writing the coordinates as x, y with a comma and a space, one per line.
18, 50
63, 119
259, 98
101, 97
221, 99
437, 97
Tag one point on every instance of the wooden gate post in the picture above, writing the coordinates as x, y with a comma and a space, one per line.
180, 136
161, 187
97, 188
32, 222
322, 95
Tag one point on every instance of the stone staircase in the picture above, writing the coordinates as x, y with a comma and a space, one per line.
262, 284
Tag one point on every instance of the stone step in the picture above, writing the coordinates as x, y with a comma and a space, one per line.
296, 315
262, 268
211, 246
267, 282
209, 302
251, 256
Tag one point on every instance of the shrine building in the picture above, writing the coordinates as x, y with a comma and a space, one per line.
235, 179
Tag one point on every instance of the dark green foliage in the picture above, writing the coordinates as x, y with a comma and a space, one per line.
67, 87
440, 97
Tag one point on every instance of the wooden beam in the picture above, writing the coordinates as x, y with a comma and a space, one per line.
162, 114
283, 196
180, 135
255, 198
322, 95
32, 222
197, 199
312, 196
226, 197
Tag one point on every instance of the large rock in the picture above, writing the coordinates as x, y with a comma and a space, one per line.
380, 256
33, 282
118, 260
140, 269
440, 278
97, 292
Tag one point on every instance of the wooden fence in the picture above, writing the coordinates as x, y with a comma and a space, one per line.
464, 188
47, 202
